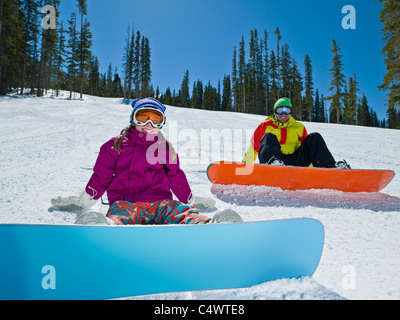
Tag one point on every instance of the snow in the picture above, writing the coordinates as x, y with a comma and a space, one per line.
49, 146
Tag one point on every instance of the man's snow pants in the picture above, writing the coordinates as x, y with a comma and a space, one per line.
313, 151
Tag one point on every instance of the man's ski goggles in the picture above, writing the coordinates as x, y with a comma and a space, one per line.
283, 110
144, 116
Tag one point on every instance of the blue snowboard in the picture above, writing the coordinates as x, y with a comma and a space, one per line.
101, 262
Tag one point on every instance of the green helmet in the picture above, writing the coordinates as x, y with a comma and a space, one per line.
283, 102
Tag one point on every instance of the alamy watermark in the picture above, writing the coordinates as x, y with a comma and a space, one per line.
204, 146
349, 279
50, 19
349, 20
49, 280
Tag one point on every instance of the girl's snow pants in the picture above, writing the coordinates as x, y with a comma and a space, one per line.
159, 212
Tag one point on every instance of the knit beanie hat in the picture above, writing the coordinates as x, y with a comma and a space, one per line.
283, 102
147, 102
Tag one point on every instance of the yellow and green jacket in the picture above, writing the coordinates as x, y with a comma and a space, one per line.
290, 134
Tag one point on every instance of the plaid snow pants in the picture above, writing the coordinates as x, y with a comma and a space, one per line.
159, 212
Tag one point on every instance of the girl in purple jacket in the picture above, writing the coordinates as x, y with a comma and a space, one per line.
140, 170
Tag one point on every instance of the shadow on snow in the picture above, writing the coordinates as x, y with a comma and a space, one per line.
331, 199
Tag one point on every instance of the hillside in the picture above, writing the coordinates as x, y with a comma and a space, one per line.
49, 146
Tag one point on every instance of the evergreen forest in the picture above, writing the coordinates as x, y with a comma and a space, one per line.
35, 58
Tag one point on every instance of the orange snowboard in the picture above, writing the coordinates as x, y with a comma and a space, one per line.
299, 178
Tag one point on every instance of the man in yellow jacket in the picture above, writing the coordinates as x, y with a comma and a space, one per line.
281, 140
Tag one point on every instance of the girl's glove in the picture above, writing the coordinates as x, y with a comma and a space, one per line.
74, 204
86, 201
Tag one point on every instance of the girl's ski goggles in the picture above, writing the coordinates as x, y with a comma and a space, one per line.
283, 110
144, 116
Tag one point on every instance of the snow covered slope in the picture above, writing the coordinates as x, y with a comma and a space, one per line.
49, 146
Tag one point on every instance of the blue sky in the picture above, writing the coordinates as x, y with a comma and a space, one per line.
199, 35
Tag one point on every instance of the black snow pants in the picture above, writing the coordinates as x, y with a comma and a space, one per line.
313, 151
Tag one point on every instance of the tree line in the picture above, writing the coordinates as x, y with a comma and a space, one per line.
34, 59
261, 76
137, 66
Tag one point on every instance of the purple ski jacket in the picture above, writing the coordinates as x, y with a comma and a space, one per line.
146, 170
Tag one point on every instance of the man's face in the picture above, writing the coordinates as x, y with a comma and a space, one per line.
283, 114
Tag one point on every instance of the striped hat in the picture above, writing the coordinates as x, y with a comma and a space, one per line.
147, 102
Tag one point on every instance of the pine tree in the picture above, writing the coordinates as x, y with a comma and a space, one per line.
84, 51
254, 78
375, 121
285, 72
260, 89
130, 64
109, 81
168, 96
278, 62
127, 64
323, 110
184, 97
117, 86
390, 18
145, 68
309, 87
337, 82
250, 75
351, 111
211, 98
242, 78
226, 104
49, 42
266, 74
194, 101
296, 88
59, 59
102, 85
273, 75
94, 76
30, 32
218, 98
72, 53
235, 81
137, 65
84, 44
197, 95
365, 118
11, 44
317, 112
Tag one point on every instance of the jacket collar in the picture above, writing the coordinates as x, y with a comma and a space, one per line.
141, 137
280, 124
